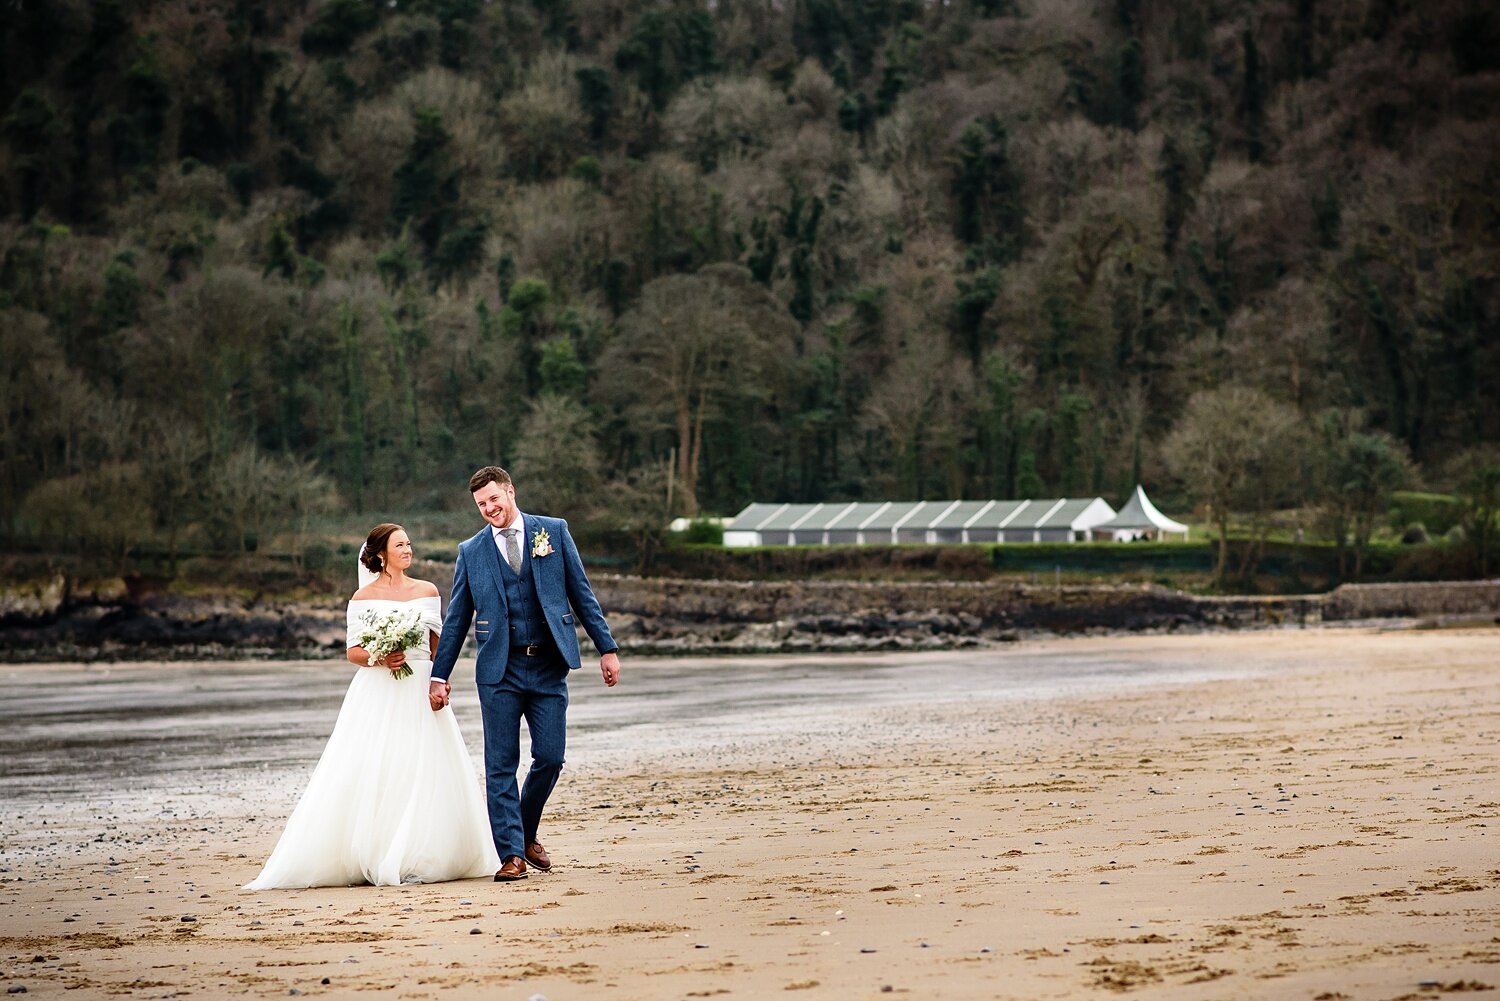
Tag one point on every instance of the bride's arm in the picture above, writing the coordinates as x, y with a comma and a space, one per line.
360, 657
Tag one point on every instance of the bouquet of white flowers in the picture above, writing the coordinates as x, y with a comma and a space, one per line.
385, 634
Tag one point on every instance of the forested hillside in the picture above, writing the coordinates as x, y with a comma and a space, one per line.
260, 258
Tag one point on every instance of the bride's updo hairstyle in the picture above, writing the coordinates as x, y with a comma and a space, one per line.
375, 545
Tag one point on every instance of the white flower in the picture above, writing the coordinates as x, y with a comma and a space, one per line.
385, 634
541, 543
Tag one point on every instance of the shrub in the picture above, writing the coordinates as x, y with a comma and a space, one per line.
1437, 512
704, 531
1415, 535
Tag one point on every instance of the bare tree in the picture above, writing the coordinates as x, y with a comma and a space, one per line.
641, 506
557, 462
300, 493
1232, 449
692, 341
543, 122
176, 453
66, 510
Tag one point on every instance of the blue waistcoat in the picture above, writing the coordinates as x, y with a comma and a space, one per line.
527, 625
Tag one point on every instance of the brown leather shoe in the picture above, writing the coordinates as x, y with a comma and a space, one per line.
537, 856
513, 869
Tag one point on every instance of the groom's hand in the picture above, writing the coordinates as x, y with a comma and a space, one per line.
609, 666
437, 694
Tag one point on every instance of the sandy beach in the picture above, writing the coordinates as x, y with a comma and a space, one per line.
1305, 813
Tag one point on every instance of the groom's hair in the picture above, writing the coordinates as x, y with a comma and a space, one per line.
489, 474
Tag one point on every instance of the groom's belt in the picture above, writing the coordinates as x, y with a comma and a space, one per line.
532, 650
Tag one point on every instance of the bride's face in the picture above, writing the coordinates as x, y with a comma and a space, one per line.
397, 551
497, 503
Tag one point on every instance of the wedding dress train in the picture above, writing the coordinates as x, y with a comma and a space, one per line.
394, 798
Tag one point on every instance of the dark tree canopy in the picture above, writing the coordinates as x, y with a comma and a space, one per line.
935, 249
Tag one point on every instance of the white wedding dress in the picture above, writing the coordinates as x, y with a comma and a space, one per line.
394, 798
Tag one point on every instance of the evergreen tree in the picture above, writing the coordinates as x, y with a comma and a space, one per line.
426, 194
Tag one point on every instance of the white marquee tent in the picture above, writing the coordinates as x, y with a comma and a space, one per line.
1064, 519
1139, 519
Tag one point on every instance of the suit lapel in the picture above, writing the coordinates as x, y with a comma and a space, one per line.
534, 524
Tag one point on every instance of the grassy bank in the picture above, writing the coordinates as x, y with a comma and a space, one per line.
326, 566
1281, 567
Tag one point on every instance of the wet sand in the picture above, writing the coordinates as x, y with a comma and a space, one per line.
1301, 813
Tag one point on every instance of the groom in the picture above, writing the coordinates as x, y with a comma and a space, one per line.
520, 574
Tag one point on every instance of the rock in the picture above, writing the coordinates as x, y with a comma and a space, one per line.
16, 989
475, 931
187, 917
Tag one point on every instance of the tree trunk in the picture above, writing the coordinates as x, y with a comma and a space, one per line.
685, 477
690, 490
1223, 523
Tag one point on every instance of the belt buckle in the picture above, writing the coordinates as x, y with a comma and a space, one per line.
533, 650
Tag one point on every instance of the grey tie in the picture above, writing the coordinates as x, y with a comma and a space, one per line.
512, 549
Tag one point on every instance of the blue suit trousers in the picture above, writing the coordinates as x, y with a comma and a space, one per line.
534, 689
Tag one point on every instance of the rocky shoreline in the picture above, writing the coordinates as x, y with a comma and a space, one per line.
677, 617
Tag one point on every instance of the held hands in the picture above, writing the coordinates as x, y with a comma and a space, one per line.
609, 666
437, 694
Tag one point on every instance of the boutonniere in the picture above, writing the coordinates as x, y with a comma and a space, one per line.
541, 543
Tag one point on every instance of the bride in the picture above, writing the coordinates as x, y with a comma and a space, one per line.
394, 798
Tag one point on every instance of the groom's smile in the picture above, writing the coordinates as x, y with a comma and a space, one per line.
497, 503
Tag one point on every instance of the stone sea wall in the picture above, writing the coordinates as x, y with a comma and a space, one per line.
702, 617
668, 616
